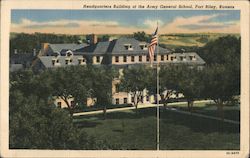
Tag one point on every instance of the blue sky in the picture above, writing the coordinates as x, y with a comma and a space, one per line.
124, 21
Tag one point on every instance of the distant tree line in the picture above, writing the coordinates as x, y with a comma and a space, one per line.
25, 43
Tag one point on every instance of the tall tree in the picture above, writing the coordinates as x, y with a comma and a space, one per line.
135, 80
71, 82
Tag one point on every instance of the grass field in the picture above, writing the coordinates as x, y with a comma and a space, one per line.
128, 130
230, 112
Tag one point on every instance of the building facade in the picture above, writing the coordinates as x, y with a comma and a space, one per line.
121, 52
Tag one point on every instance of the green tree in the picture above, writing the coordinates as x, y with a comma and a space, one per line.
190, 83
135, 80
141, 36
102, 78
168, 77
71, 82
221, 85
36, 124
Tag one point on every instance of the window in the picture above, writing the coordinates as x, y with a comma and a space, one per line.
53, 62
59, 104
140, 58
192, 57
133, 99
143, 46
98, 59
57, 61
162, 57
147, 57
70, 60
142, 99
125, 100
117, 59
80, 61
124, 58
132, 58
66, 62
147, 98
181, 58
154, 57
128, 47
72, 103
167, 57
117, 101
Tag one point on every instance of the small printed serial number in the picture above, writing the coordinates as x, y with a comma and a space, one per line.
232, 152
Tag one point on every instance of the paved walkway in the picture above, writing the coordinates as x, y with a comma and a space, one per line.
141, 106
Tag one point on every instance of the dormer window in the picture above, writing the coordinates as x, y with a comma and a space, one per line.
56, 54
192, 57
69, 53
173, 58
143, 46
53, 62
182, 58
81, 61
98, 59
68, 61
128, 47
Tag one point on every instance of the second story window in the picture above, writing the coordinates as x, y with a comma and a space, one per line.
117, 59
167, 57
154, 57
140, 58
132, 58
66, 62
147, 57
98, 59
124, 58
162, 57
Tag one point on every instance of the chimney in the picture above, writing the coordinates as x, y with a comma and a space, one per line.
93, 39
45, 47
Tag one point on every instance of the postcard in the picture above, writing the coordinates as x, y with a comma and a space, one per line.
124, 78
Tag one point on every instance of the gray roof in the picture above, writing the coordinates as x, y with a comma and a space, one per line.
118, 47
198, 60
47, 60
98, 48
66, 46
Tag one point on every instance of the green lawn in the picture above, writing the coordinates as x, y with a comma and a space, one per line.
230, 112
128, 130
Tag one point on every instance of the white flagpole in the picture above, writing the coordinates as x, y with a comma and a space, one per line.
157, 96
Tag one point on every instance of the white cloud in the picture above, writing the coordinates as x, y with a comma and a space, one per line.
196, 24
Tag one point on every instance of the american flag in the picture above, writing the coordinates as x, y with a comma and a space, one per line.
152, 45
